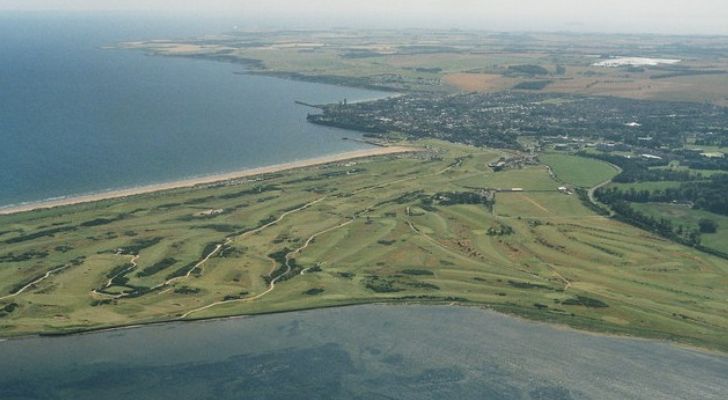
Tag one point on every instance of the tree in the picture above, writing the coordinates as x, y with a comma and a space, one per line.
707, 226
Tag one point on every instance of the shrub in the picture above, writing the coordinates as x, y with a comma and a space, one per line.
415, 271
708, 226
585, 301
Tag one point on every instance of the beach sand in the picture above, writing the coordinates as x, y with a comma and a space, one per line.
186, 183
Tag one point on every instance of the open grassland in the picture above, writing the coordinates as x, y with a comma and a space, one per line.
373, 230
578, 171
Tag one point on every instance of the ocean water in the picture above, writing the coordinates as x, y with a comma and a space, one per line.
76, 118
363, 352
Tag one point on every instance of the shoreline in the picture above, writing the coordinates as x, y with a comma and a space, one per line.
493, 308
204, 180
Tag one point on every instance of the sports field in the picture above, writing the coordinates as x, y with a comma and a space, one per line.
373, 230
578, 171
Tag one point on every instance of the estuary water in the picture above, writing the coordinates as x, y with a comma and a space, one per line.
76, 118
363, 352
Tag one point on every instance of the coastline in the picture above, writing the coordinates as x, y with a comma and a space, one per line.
204, 180
493, 308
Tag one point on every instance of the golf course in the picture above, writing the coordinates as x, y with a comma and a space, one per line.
435, 225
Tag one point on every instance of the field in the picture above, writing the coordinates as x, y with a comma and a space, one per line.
375, 230
677, 167
479, 82
648, 185
578, 171
682, 215
451, 61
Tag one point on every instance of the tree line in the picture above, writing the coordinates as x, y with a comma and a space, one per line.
709, 195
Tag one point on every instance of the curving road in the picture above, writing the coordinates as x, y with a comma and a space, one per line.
591, 191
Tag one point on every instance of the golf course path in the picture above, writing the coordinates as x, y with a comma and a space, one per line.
134, 264
313, 237
198, 265
272, 284
35, 282
202, 262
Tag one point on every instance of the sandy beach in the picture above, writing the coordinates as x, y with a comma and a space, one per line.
186, 183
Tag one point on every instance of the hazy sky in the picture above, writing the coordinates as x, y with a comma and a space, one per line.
660, 16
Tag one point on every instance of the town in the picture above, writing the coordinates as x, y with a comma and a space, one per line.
569, 121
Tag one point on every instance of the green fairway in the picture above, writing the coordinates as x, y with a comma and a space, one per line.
578, 171
405, 228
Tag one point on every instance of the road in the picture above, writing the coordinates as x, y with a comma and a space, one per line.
593, 190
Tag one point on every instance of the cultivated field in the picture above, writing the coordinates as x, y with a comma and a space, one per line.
473, 61
373, 230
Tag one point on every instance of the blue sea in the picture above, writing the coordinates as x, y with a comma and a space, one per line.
76, 118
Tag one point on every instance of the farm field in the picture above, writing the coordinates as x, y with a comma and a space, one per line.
364, 231
442, 62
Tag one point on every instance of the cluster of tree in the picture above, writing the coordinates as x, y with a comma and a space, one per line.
687, 73
500, 230
707, 226
585, 301
527, 69
187, 290
453, 198
707, 195
533, 85
7, 309
586, 201
639, 169
662, 226
25, 256
158, 266
695, 160
712, 140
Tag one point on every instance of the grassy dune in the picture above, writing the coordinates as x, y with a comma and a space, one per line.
356, 233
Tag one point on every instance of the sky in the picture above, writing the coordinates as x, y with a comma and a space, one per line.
628, 16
